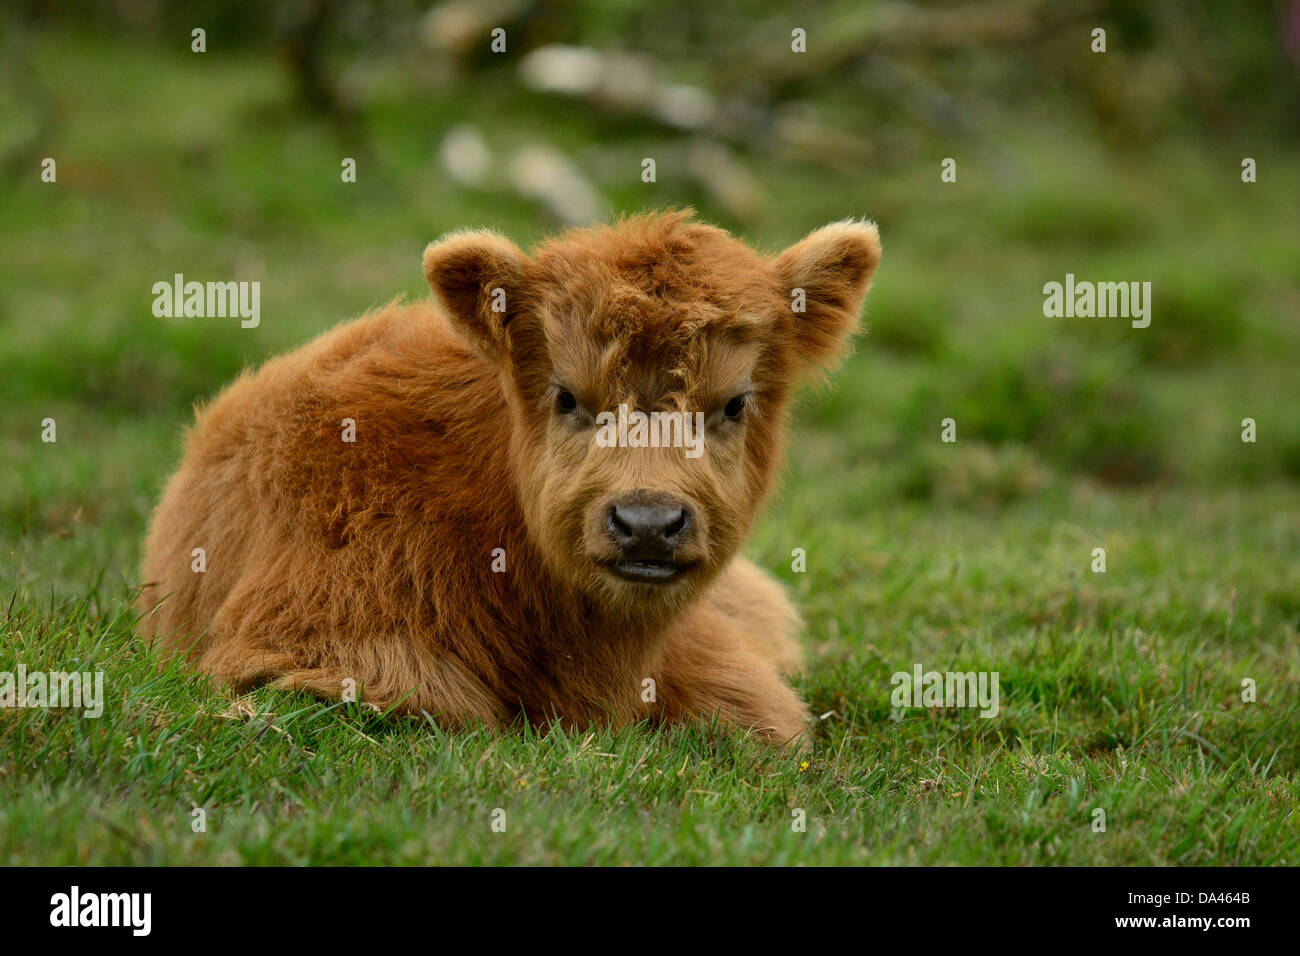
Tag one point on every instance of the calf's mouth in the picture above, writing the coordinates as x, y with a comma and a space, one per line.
650, 570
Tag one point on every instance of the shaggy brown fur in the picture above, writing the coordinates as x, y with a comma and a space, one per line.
373, 560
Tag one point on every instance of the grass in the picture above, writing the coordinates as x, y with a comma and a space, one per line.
1120, 691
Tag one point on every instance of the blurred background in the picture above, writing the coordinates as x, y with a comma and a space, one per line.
225, 165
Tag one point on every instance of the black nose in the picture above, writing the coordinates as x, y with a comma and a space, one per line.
648, 529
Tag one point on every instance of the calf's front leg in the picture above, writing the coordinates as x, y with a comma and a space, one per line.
708, 667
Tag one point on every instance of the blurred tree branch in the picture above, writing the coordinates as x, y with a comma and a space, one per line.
28, 88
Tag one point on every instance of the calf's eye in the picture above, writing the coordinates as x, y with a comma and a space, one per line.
735, 408
565, 402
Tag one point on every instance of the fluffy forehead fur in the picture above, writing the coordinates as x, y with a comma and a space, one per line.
655, 307
658, 309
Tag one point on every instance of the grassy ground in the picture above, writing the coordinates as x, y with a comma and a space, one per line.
1120, 691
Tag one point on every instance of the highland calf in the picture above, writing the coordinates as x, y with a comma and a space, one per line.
473, 552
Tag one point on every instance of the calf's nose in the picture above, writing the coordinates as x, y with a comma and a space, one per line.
648, 526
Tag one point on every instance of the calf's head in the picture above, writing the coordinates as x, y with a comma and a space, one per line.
648, 367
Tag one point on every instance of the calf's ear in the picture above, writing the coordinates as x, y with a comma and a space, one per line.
479, 278
827, 274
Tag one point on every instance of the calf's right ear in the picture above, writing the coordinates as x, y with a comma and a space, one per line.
478, 277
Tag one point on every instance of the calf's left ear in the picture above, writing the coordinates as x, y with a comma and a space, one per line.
827, 274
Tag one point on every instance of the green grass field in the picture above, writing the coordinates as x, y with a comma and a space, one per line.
1120, 691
